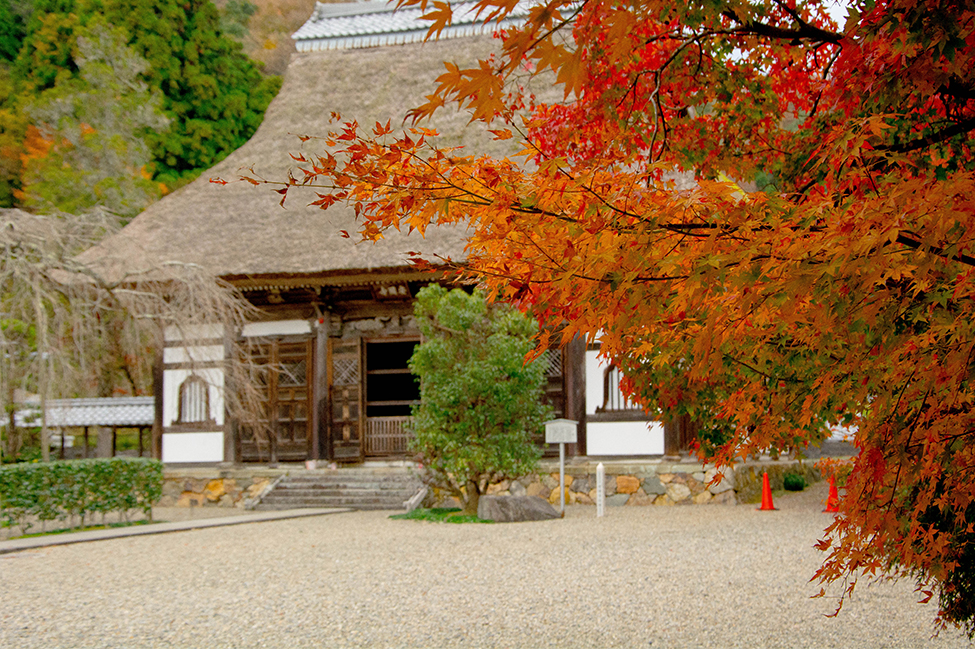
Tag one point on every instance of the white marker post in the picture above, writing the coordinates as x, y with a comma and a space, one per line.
561, 432
600, 489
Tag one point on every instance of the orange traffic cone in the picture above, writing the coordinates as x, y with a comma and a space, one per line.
766, 495
833, 500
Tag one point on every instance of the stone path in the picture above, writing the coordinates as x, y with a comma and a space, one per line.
674, 577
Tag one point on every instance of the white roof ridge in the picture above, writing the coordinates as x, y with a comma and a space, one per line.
373, 23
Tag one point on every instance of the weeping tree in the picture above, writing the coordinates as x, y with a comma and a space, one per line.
68, 332
480, 402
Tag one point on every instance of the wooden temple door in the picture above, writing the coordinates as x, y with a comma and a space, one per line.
284, 433
292, 401
345, 401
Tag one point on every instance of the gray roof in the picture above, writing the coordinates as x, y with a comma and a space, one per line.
119, 411
377, 22
240, 231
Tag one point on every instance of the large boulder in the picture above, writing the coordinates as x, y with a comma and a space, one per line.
512, 509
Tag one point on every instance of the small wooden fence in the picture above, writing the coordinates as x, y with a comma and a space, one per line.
387, 436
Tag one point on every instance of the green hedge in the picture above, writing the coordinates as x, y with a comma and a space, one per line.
56, 490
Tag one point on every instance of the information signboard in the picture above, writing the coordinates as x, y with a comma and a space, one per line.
561, 431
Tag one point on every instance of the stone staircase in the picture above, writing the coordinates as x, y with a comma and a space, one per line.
354, 487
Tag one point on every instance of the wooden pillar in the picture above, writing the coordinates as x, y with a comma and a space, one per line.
231, 441
86, 442
574, 370
114, 439
672, 435
157, 393
319, 389
61, 431
141, 430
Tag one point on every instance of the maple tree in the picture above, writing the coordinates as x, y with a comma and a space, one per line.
837, 289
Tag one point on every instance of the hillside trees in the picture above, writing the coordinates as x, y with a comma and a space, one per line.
842, 291
212, 94
480, 403
88, 134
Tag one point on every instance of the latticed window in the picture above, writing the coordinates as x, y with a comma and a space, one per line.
194, 401
613, 397
554, 380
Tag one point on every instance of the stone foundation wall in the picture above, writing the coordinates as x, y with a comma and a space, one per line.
215, 488
649, 484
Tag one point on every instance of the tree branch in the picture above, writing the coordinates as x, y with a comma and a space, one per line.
935, 138
804, 31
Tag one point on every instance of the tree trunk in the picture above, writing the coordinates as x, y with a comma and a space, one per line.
472, 498
13, 435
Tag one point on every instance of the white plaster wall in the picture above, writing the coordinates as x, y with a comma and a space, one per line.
625, 438
277, 328
192, 447
193, 354
194, 332
172, 379
595, 368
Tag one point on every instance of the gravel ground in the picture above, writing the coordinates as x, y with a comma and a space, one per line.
677, 577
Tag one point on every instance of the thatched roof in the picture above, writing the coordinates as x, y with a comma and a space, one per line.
241, 233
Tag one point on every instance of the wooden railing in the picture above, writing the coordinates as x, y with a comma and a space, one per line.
387, 436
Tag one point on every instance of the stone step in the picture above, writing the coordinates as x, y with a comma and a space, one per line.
384, 472
357, 488
347, 484
332, 501
401, 492
329, 479
337, 505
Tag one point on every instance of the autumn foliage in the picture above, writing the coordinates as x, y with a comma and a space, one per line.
818, 270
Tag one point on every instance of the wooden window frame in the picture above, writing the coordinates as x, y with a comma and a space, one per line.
208, 420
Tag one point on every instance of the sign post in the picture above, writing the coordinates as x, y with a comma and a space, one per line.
561, 432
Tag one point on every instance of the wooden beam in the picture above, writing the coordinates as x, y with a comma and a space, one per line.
157, 393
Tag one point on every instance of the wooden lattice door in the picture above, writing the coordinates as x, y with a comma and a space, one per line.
284, 433
345, 397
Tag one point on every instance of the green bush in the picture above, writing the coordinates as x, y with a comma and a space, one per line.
480, 402
57, 490
794, 482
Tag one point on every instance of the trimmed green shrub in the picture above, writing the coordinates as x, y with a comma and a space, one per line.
480, 403
794, 482
57, 490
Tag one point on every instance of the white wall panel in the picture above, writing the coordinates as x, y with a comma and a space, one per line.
193, 354
625, 438
278, 328
192, 447
595, 368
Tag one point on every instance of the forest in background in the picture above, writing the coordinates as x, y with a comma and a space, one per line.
112, 104
105, 106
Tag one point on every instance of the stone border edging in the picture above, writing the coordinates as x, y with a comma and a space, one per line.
67, 538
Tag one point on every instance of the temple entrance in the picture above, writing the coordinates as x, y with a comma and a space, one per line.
391, 391
371, 392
